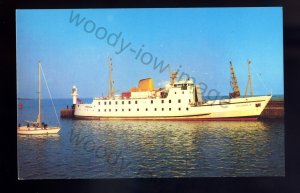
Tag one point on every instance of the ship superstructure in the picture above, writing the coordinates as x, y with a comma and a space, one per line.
178, 100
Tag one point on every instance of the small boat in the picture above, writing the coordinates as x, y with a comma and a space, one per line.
37, 127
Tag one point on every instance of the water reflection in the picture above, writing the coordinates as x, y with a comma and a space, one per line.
156, 149
39, 137
168, 149
32, 153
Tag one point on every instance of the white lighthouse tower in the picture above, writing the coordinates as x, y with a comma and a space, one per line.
74, 95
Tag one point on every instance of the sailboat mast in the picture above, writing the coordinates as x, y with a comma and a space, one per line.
39, 95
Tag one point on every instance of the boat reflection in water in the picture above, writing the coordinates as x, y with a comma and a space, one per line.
41, 137
182, 149
118, 149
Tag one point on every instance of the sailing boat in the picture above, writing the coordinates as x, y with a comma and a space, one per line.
37, 127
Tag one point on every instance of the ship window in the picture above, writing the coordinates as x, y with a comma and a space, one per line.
146, 109
105, 103
104, 110
182, 92
128, 102
183, 87
116, 102
169, 101
128, 109
169, 109
122, 109
109, 103
162, 109
109, 110
98, 110
135, 102
137, 109
175, 92
162, 101
98, 103
122, 102
187, 108
179, 101
257, 104
151, 101
116, 110
154, 109
179, 109
189, 100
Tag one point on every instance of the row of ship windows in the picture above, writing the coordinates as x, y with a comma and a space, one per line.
136, 102
155, 109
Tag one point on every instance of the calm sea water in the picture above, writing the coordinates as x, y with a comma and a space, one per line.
118, 149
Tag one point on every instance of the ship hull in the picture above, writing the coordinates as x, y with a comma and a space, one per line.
248, 108
250, 118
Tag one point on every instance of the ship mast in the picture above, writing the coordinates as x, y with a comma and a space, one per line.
249, 82
234, 84
111, 82
39, 96
172, 75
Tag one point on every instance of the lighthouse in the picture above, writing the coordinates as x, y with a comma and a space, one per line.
74, 95
69, 113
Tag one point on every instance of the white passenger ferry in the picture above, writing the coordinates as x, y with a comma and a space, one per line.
178, 100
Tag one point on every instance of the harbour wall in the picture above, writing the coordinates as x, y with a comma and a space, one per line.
67, 113
274, 110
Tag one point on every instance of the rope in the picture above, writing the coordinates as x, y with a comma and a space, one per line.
50, 95
260, 79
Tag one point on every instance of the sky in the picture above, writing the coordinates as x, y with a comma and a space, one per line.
74, 45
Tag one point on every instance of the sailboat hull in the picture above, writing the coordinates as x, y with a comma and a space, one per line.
24, 130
